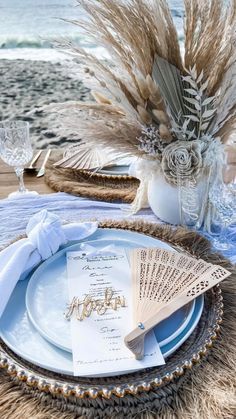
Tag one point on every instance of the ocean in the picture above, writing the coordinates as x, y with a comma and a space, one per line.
28, 27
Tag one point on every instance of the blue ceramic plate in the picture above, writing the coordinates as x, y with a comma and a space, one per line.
115, 170
21, 337
120, 168
47, 292
18, 332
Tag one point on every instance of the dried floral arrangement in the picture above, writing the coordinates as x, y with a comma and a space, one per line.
149, 100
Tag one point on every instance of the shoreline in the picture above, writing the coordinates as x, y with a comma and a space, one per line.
27, 85
48, 54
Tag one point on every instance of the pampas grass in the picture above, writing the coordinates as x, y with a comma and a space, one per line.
99, 123
210, 44
210, 38
143, 82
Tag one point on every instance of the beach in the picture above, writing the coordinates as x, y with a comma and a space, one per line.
32, 73
27, 86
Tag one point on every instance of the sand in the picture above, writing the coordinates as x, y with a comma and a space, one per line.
26, 86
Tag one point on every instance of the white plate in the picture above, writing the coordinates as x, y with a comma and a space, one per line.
115, 170
18, 332
21, 337
120, 168
47, 292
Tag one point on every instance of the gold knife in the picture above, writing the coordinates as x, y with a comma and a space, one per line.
42, 168
35, 158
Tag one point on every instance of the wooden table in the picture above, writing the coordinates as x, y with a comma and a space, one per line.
9, 182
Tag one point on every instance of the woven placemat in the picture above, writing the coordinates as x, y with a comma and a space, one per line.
180, 389
90, 185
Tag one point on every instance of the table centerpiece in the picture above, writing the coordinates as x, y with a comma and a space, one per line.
173, 112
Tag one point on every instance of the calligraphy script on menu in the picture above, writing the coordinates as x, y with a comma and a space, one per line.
84, 308
100, 288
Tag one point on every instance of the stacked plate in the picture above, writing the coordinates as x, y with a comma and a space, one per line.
33, 325
121, 168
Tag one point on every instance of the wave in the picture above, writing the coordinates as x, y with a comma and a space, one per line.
11, 43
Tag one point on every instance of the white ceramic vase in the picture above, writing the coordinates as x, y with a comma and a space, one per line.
163, 199
168, 203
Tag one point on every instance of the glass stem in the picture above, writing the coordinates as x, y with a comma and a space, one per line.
19, 173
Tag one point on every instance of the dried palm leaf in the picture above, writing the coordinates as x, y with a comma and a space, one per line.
85, 157
168, 78
225, 119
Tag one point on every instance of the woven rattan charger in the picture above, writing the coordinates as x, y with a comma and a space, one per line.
90, 185
156, 389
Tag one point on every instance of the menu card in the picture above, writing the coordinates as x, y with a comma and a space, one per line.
101, 315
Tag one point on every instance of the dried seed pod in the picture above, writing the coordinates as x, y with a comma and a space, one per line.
153, 88
157, 101
161, 116
143, 87
144, 115
165, 133
100, 98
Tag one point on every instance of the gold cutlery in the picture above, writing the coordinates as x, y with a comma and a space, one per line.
42, 168
33, 161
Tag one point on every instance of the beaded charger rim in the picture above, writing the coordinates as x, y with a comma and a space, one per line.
93, 174
145, 380
98, 175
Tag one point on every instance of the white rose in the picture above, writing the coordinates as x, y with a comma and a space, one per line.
181, 158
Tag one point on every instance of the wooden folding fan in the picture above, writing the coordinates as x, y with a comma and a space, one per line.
164, 281
85, 157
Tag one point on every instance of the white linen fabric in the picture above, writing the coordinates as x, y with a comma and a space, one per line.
45, 235
15, 215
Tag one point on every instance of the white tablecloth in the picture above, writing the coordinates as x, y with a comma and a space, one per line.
15, 213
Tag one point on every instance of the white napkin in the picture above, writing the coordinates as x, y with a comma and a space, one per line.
45, 235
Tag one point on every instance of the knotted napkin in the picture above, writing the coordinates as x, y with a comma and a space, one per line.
45, 235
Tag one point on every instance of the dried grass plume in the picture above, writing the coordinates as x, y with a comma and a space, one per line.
147, 82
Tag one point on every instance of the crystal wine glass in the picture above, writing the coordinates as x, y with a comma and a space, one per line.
223, 198
16, 150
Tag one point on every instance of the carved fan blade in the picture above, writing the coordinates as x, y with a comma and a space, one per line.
164, 281
87, 158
